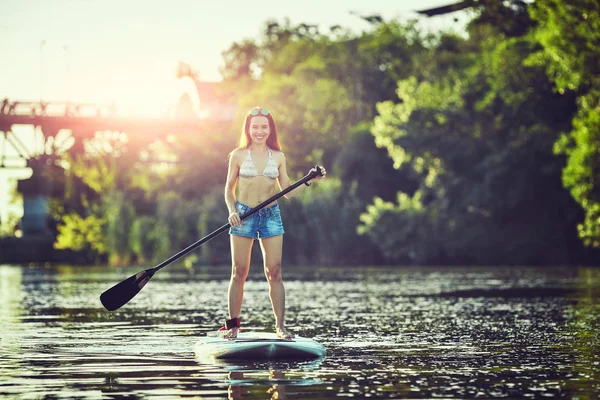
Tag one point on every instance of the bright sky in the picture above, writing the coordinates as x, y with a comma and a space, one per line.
126, 51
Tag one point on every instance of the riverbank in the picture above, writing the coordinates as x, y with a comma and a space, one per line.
35, 249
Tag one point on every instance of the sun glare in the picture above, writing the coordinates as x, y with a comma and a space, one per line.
150, 92
144, 96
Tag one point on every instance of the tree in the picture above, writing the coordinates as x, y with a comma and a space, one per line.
480, 139
569, 32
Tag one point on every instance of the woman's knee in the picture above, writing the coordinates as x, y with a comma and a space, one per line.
239, 272
273, 272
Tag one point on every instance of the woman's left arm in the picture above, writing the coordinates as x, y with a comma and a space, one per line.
284, 179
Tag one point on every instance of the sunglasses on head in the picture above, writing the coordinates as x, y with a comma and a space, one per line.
256, 111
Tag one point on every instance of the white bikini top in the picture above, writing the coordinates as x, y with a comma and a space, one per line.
248, 169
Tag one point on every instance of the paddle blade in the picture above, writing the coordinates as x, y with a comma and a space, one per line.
120, 294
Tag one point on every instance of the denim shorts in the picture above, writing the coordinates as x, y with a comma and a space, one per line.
264, 223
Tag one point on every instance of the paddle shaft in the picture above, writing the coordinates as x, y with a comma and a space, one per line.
242, 217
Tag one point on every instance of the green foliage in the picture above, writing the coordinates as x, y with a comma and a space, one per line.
143, 239
481, 142
212, 215
569, 33
84, 234
508, 18
175, 224
363, 165
415, 239
120, 215
7, 226
582, 173
140, 199
321, 227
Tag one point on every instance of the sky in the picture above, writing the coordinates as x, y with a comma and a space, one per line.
126, 51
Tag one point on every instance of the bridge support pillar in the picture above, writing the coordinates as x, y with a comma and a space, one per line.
36, 213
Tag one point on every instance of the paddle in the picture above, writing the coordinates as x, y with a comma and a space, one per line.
120, 294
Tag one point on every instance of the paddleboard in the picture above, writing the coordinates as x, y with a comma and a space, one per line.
258, 346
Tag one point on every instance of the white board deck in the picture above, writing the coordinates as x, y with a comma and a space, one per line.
258, 346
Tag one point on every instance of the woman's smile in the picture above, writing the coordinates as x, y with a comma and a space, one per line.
259, 136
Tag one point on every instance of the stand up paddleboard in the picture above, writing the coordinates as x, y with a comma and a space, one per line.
258, 346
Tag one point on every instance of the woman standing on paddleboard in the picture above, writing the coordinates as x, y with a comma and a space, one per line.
255, 167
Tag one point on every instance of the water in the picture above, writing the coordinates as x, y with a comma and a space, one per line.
389, 333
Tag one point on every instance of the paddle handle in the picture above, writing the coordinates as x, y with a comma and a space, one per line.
271, 199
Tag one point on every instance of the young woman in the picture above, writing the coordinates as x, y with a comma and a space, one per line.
254, 167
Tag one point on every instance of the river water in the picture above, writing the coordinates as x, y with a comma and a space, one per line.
409, 332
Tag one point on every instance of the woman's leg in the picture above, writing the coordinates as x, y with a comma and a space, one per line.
241, 249
272, 250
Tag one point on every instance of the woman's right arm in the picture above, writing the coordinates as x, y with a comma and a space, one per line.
232, 177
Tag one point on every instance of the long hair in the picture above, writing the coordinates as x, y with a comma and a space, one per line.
245, 140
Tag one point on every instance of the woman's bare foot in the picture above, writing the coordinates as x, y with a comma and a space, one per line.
283, 333
231, 334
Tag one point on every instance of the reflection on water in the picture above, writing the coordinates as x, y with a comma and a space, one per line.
406, 332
